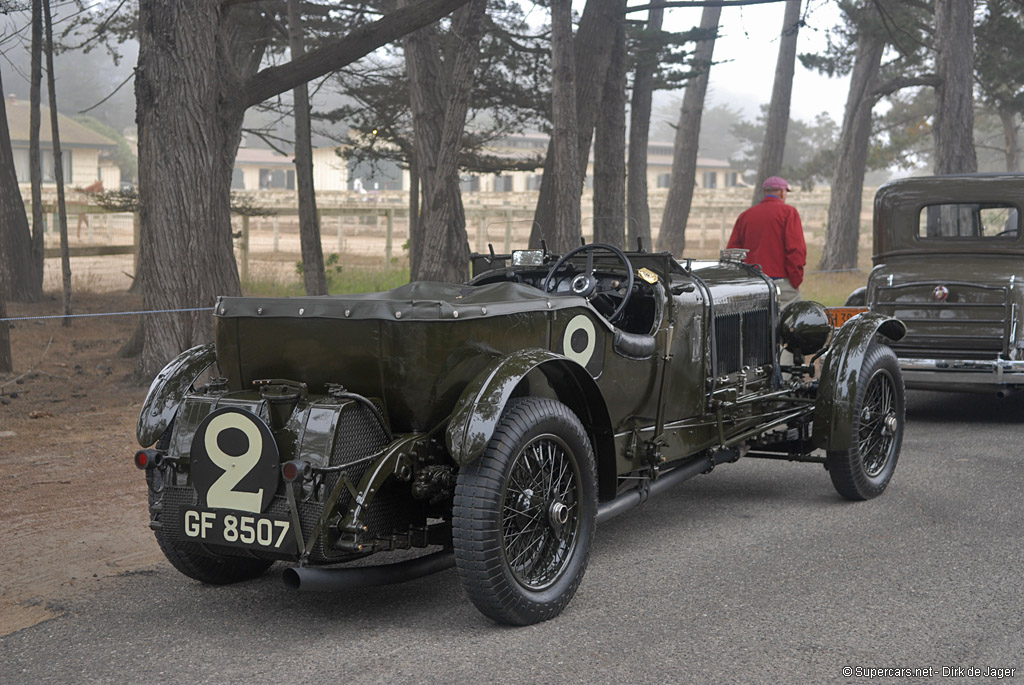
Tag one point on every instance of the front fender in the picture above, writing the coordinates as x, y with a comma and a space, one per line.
479, 408
167, 390
840, 373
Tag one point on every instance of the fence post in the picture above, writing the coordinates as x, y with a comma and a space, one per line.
481, 234
508, 231
277, 232
243, 250
388, 239
341, 236
723, 240
135, 243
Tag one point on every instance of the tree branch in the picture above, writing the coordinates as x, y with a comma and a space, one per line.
698, 3
343, 51
901, 82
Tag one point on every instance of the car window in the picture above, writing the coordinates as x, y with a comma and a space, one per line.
970, 220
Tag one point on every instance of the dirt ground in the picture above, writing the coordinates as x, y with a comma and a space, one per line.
72, 504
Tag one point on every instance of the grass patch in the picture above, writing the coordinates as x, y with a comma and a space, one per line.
832, 288
267, 280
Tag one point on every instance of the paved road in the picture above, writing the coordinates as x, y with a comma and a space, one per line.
755, 573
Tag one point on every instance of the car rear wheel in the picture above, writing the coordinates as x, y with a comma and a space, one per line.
192, 559
195, 562
525, 514
864, 470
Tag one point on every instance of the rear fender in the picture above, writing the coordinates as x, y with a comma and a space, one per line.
840, 374
168, 389
482, 402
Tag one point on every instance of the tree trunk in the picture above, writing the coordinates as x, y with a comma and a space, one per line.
445, 252
954, 106
590, 55
14, 234
782, 90
34, 164
182, 101
684, 155
843, 230
638, 223
198, 70
564, 138
1007, 118
58, 169
610, 149
414, 217
6, 365
313, 274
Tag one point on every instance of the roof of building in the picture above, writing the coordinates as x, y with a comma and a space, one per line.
72, 133
258, 155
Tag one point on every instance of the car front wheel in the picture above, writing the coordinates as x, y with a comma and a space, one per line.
525, 514
864, 470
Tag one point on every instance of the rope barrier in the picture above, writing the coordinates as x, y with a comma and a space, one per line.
82, 316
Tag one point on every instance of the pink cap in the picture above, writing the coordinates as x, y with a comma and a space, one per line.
775, 182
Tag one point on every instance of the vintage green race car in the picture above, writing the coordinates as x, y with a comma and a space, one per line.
500, 421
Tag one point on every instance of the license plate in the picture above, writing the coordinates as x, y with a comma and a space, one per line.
237, 529
837, 316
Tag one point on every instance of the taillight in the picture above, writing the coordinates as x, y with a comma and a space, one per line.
147, 459
295, 469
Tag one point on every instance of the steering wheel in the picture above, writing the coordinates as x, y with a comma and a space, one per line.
585, 284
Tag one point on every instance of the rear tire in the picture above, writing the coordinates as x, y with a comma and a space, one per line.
525, 514
193, 561
864, 470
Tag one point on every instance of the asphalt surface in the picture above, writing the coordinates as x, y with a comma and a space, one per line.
757, 572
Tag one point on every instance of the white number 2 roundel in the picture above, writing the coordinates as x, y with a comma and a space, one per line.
579, 340
235, 461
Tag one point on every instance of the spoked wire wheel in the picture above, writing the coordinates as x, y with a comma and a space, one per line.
540, 515
864, 470
525, 512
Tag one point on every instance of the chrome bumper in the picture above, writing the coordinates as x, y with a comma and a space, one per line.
942, 372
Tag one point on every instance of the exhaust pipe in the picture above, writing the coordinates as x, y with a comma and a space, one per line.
634, 498
333, 579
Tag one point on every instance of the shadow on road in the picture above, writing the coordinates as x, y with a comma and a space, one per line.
946, 407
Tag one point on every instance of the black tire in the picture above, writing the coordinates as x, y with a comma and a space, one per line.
195, 562
190, 558
498, 516
865, 469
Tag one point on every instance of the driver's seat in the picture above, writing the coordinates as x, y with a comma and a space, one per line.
634, 345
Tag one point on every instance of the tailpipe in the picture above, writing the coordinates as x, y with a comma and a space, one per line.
333, 579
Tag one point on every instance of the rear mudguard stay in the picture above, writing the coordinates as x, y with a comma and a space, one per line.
168, 389
481, 404
833, 411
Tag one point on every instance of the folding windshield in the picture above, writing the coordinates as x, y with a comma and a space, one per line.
969, 220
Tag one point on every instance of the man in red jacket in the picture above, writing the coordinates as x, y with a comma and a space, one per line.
773, 236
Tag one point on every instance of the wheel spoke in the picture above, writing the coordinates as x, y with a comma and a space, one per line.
541, 479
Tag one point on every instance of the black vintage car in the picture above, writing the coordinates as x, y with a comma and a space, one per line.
947, 254
498, 422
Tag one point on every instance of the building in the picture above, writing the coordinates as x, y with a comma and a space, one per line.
84, 152
262, 169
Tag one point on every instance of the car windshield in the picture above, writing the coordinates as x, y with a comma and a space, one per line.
969, 220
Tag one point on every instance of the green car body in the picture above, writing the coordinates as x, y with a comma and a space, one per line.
337, 427
949, 263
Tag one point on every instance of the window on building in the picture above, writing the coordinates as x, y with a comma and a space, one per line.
710, 179
277, 178
731, 179
237, 179
503, 184
21, 168
470, 184
533, 181
664, 180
